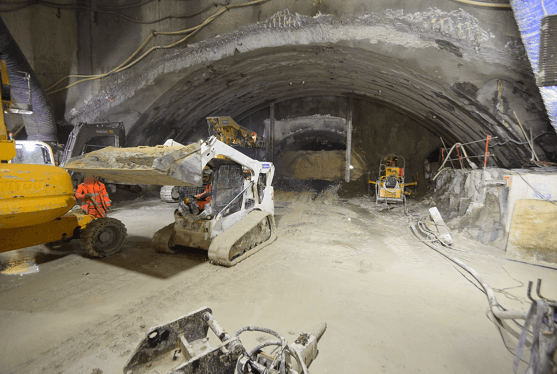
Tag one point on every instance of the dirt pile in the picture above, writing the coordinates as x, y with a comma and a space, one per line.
121, 158
324, 165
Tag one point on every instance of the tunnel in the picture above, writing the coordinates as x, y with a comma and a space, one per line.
450, 90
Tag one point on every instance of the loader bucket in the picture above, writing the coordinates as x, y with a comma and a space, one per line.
159, 165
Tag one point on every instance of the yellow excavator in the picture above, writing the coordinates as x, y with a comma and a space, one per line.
36, 199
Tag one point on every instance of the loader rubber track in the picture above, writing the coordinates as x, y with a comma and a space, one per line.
163, 240
251, 234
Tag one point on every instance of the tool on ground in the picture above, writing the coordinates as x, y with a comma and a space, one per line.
238, 221
182, 346
542, 318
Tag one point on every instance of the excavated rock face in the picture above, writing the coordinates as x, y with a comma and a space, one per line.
443, 69
470, 204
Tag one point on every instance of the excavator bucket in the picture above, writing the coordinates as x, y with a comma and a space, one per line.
159, 165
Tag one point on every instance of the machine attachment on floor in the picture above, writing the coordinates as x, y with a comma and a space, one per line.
182, 347
390, 187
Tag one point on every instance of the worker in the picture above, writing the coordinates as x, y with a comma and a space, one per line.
94, 198
204, 198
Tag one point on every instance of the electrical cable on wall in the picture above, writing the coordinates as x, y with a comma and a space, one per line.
526, 142
132, 60
111, 10
484, 4
70, 5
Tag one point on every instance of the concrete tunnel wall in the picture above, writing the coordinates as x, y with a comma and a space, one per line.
453, 70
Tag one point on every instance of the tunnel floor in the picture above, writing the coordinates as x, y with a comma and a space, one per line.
391, 303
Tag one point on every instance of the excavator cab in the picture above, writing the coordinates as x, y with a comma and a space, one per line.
89, 137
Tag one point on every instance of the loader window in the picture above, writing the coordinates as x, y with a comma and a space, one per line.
262, 184
228, 184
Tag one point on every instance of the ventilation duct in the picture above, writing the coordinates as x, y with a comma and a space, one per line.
528, 15
40, 125
547, 75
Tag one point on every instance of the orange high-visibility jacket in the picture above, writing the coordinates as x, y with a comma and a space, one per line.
98, 190
207, 200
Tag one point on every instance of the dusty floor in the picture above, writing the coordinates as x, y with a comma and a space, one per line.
391, 303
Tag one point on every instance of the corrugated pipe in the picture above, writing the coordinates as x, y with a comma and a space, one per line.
40, 125
528, 15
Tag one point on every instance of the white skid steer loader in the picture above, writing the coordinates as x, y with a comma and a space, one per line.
237, 220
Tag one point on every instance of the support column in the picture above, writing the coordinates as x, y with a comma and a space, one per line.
348, 138
272, 133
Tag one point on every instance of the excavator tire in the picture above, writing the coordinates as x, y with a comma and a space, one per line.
103, 237
248, 236
163, 240
170, 194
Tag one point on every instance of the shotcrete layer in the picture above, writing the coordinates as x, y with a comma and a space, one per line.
414, 62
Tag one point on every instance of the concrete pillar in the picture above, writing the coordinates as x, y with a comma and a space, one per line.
348, 138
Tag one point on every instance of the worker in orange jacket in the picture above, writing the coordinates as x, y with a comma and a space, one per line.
93, 189
204, 197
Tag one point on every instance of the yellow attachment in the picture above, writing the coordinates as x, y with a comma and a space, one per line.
7, 147
390, 193
229, 132
392, 171
57, 229
31, 195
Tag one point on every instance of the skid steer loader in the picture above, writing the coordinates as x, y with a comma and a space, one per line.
239, 219
226, 130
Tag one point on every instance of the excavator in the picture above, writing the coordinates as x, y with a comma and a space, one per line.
36, 199
239, 219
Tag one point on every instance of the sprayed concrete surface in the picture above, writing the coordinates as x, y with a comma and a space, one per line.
391, 304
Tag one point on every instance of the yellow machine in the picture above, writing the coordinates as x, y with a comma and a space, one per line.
35, 201
229, 132
390, 187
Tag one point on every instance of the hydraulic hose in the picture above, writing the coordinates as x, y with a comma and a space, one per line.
271, 332
493, 304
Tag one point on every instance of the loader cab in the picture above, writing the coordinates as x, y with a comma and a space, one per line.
228, 185
33, 152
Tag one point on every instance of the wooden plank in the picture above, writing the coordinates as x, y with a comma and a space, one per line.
533, 233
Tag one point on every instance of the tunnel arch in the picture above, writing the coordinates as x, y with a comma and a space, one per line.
435, 76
